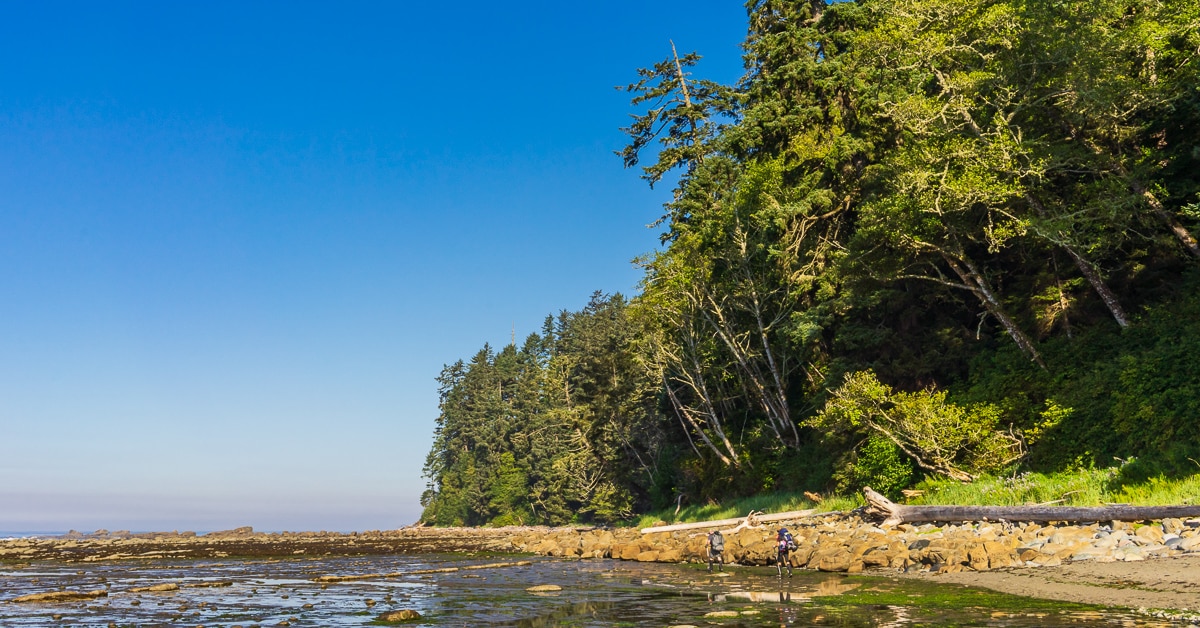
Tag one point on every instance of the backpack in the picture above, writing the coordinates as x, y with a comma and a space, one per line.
717, 540
790, 542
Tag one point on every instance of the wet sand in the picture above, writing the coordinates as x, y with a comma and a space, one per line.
1160, 583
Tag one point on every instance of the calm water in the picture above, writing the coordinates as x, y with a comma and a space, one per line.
594, 593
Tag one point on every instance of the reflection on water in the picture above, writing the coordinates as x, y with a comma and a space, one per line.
835, 586
783, 597
787, 593
594, 593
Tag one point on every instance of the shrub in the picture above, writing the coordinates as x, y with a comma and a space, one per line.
956, 441
877, 463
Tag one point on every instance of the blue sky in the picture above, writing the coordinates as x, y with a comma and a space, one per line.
238, 241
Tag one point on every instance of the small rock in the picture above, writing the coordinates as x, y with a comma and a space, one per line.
166, 586
542, 588
401, 615
1129, 554
1092, 554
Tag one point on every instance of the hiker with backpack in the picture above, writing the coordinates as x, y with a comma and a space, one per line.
784, 544
716, 550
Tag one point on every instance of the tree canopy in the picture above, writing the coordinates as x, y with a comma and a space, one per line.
917, 237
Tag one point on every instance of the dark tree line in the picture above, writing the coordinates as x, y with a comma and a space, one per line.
918, 237
562, 429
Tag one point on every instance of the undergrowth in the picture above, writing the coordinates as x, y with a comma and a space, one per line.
1080, 487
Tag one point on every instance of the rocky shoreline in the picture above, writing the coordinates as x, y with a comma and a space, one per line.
837, 543
830, 543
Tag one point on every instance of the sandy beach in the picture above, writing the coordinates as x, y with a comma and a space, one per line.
1163, 583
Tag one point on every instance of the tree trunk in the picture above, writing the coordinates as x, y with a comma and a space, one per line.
752, 520
765, 374
1181, 232
1101, 288
687, 96
979, 284
684, 413
772, 400
895, 514
1089, 271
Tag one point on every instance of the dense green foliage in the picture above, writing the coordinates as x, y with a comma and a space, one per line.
918, 239
555, 431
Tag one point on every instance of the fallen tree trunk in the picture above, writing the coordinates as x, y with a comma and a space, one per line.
894, 514
750, 520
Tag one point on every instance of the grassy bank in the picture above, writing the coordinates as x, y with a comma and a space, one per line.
1083, 487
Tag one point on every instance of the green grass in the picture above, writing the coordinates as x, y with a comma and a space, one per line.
929, 595
740, 507
1084, 487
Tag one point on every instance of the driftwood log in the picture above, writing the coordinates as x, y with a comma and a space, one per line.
894, 514
750, 520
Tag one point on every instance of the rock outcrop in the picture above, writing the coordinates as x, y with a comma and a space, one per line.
832, 542
839, 543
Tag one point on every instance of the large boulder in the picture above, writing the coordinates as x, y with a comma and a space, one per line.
757, 552
1150, 534
836, 559
999, 554
627, 551
548, 547
977, 557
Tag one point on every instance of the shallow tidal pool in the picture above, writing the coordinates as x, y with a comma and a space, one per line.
227, 593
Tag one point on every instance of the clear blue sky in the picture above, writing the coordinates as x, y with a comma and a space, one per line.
238, 240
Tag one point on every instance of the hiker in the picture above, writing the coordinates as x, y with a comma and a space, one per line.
784, 544
716, 550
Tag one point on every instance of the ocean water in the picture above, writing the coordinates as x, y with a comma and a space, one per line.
593, 593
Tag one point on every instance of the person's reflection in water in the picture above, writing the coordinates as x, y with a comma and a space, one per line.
786, 615
785, 592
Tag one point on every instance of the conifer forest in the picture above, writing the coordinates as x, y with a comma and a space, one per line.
917, 238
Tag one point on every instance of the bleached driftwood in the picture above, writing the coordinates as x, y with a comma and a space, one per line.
749, 521
894, 514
